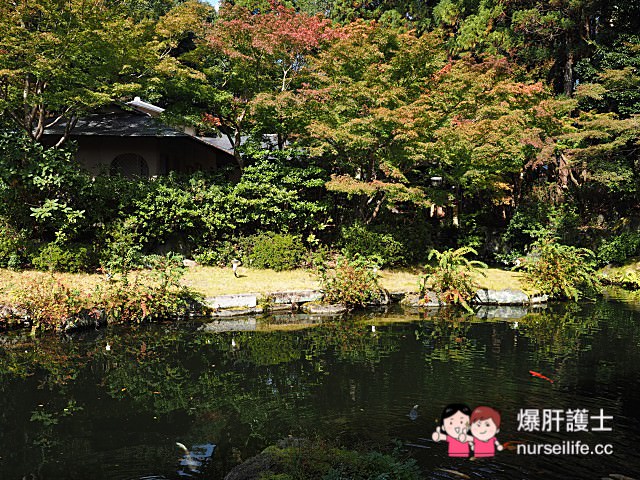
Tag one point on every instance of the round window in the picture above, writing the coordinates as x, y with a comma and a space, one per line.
129, 165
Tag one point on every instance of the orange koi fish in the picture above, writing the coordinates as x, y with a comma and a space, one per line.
512, 445
539, 375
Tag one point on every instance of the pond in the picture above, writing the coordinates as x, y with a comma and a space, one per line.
113, 403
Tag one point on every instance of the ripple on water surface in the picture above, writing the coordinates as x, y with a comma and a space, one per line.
73, 409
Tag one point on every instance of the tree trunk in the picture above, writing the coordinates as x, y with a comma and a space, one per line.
568, 68
237, 143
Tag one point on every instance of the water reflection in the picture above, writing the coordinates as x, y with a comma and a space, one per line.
71, 408
446, 337
193, 460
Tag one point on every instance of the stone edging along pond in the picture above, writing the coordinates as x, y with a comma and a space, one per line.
308, 301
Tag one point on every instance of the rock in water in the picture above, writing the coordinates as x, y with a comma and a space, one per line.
413, 414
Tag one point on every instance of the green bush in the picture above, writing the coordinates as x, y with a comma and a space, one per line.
538, 217
120, 249
451, 276
561, 271
353, 282
359, 240
222, 253
619, 248
276, 251
12, 247
42, 190
72, 258
155, 292
279, 192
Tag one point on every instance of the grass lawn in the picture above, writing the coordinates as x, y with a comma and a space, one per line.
211, 281
632, 267
9, 280
218, 281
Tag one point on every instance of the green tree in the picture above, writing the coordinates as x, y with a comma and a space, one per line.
60, 60
362, 120
485, 126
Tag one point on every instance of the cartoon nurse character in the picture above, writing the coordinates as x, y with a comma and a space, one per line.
453, 428
485, 424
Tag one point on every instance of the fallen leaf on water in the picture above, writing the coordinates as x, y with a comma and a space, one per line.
455, 472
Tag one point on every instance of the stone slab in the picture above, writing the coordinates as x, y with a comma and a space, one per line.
324, 309
246, 300
487, 296
235, 312
537, 299
239, 325
299, 296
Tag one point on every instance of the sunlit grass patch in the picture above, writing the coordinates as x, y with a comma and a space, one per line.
211, 281
497, 279
219, 281
11, 281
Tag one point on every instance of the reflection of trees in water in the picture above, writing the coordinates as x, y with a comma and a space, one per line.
257, 382
354, 342
446, 337
556, 336
246, 389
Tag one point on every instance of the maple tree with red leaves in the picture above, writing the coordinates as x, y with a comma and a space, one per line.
261, 55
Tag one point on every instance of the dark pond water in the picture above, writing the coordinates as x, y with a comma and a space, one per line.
71, 408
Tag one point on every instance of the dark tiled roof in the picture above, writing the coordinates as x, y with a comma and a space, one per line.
219, 142
269, 142
119, 124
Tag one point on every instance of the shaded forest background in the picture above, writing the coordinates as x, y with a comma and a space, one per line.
398, 126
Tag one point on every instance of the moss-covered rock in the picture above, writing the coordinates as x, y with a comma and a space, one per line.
303, 459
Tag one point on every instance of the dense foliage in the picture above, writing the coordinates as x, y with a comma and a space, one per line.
561, 271
396, 128
131, 297
353, 282
330, 463
451, 276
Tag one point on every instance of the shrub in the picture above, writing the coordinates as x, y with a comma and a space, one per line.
276, 251
12, 247
155, 292
358, 240
222, 253
561, 271
64, 258
353, 282
539, 217
152, 293
451, 277
49, 300
279, 191
121, 251
619, 248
